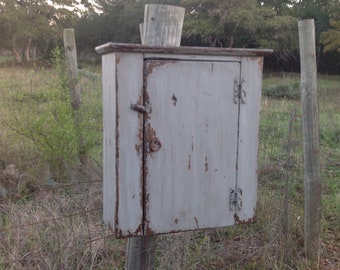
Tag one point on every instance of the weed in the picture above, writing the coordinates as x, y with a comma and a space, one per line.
282, 90
58, 226
45, 117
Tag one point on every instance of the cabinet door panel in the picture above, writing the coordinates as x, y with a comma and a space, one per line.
191, 144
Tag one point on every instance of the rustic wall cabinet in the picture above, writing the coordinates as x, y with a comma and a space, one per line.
180, 137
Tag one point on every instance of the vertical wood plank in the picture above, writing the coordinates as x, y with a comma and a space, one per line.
129, 140
109, 123
141, 252
72, 66
249, 118
162, 27
194, 170
75, 91
311, 139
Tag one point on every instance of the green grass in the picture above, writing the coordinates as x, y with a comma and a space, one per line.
62, 221
273, 135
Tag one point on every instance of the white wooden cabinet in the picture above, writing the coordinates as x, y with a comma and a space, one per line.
180, 137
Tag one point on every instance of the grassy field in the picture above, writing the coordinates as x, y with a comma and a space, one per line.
50, 211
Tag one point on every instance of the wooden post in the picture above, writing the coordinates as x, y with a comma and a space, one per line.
311, 139
72, 68
162, 27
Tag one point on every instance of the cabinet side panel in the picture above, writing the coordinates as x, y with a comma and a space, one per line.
129, 88
109, 131
251, 73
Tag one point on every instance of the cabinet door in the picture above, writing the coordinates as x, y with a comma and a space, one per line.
190, 137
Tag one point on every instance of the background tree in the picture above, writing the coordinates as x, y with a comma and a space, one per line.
242, 24
217, 22
331, 37
118, 22
280, 7
28, 26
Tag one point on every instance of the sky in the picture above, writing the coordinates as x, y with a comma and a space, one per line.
79, 5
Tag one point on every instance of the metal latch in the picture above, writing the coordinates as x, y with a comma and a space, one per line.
140, 108
239, 92
235, 199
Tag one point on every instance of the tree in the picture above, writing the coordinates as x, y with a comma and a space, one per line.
118, 22
221, 23
331, 38
247, 23
281, 7
279, 33
320, 11
30, 25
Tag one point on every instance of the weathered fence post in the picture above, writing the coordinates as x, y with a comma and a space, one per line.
311, 139
162, 27
72, 68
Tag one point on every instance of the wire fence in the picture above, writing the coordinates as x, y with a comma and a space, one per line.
59, 225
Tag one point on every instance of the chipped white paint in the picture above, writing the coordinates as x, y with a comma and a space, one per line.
122, 84
193, 115
109, 116
248, 141
171, 159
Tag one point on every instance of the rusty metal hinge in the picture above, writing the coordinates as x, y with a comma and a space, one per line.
235, 199
239, 92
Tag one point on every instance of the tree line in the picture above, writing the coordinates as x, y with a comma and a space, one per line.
30, 29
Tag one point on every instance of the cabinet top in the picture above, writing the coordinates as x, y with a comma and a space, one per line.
138, 48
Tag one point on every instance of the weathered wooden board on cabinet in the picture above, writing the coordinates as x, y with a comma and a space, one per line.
180, 137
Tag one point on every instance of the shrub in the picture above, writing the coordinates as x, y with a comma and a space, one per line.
282, 90
46, 118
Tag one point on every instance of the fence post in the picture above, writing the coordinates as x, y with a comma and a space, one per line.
72, 68
162, 27
311, 139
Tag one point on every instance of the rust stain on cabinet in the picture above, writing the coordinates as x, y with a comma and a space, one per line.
175, 160
126, 234
239, 221
140, 135
150, 133
206, 165
260, 63
151, 65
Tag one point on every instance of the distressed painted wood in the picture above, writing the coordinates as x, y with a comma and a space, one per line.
183, 50
162, 26
122, 85
109, 138
193, 116
184, 145
249, 118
